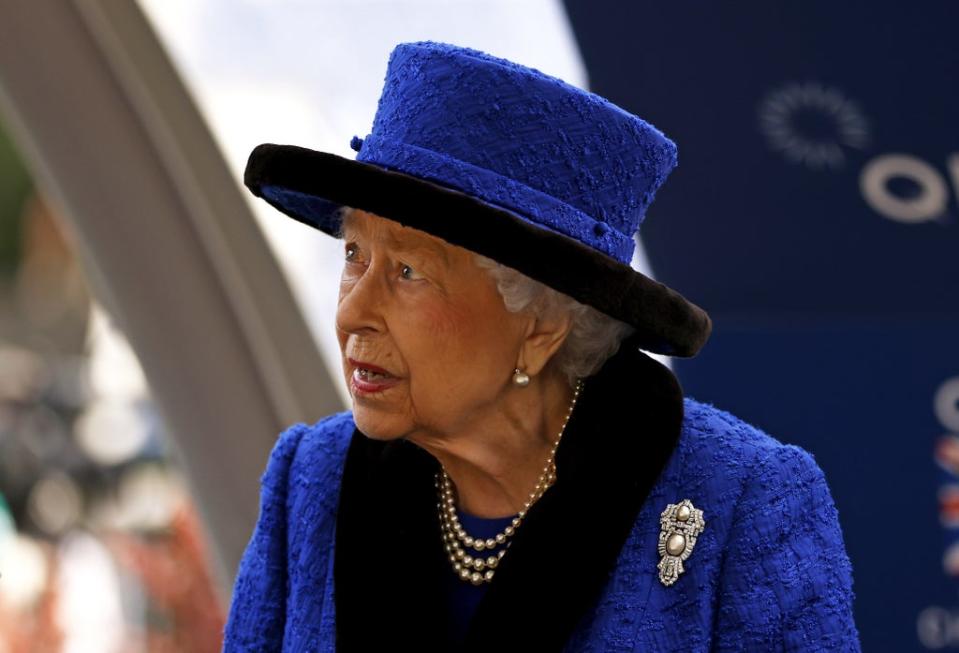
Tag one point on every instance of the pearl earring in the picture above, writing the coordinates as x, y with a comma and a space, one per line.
520, 378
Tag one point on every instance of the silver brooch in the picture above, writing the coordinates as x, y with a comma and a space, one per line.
680, 525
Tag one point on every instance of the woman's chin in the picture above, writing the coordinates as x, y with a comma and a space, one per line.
376, 426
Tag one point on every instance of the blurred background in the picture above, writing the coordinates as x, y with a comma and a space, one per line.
159, 328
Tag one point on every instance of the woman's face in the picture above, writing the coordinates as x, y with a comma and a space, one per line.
423, 312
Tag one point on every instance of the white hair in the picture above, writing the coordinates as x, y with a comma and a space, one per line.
593, 336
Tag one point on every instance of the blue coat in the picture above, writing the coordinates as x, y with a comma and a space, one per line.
769, 572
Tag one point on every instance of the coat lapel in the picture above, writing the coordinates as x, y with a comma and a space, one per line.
390, 563
388, 557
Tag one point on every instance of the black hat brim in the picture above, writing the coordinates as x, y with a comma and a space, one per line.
666, 322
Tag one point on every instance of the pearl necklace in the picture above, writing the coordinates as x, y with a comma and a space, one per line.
474, 567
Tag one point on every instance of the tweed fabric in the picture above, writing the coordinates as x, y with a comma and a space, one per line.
769, 572
566, 159
510, 163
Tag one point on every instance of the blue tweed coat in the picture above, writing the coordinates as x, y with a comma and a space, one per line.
347, 554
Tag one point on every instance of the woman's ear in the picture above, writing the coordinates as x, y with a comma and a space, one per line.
544, 336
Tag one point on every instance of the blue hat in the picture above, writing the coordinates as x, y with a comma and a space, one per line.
510, 163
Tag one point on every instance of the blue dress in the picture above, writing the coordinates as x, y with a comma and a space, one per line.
347, 552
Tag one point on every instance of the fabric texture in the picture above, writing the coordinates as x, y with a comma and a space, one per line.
541, 162
512, 136
768, 573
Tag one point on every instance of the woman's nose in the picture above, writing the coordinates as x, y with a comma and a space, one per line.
361, 303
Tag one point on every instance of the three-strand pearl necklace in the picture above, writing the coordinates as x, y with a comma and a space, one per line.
478, 565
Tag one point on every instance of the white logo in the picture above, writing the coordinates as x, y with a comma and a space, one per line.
814, 125
811, 124
928, 203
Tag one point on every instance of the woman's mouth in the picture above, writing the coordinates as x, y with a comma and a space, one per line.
367, 381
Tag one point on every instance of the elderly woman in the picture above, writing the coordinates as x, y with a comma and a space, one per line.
516, 473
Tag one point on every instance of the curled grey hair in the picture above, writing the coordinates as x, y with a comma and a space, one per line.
593, 336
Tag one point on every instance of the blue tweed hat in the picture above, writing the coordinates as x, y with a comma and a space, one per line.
508, 162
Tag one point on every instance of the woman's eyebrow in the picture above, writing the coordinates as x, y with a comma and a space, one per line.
407, 246
420, 245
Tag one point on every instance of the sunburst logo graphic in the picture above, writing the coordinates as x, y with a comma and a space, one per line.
812, 124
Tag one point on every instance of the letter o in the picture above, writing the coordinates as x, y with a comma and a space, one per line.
928, 205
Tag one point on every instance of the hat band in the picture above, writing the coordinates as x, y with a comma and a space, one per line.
494, 188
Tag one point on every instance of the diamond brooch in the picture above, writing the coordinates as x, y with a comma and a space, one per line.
680, 525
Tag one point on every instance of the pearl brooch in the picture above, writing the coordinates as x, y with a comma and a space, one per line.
680, 524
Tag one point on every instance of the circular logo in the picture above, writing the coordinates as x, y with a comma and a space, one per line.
811, 124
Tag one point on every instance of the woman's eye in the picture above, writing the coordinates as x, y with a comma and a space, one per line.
350, 252
408, 273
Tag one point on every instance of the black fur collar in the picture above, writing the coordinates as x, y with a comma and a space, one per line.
389, 562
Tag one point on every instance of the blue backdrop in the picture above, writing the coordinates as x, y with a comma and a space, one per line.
814, 215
